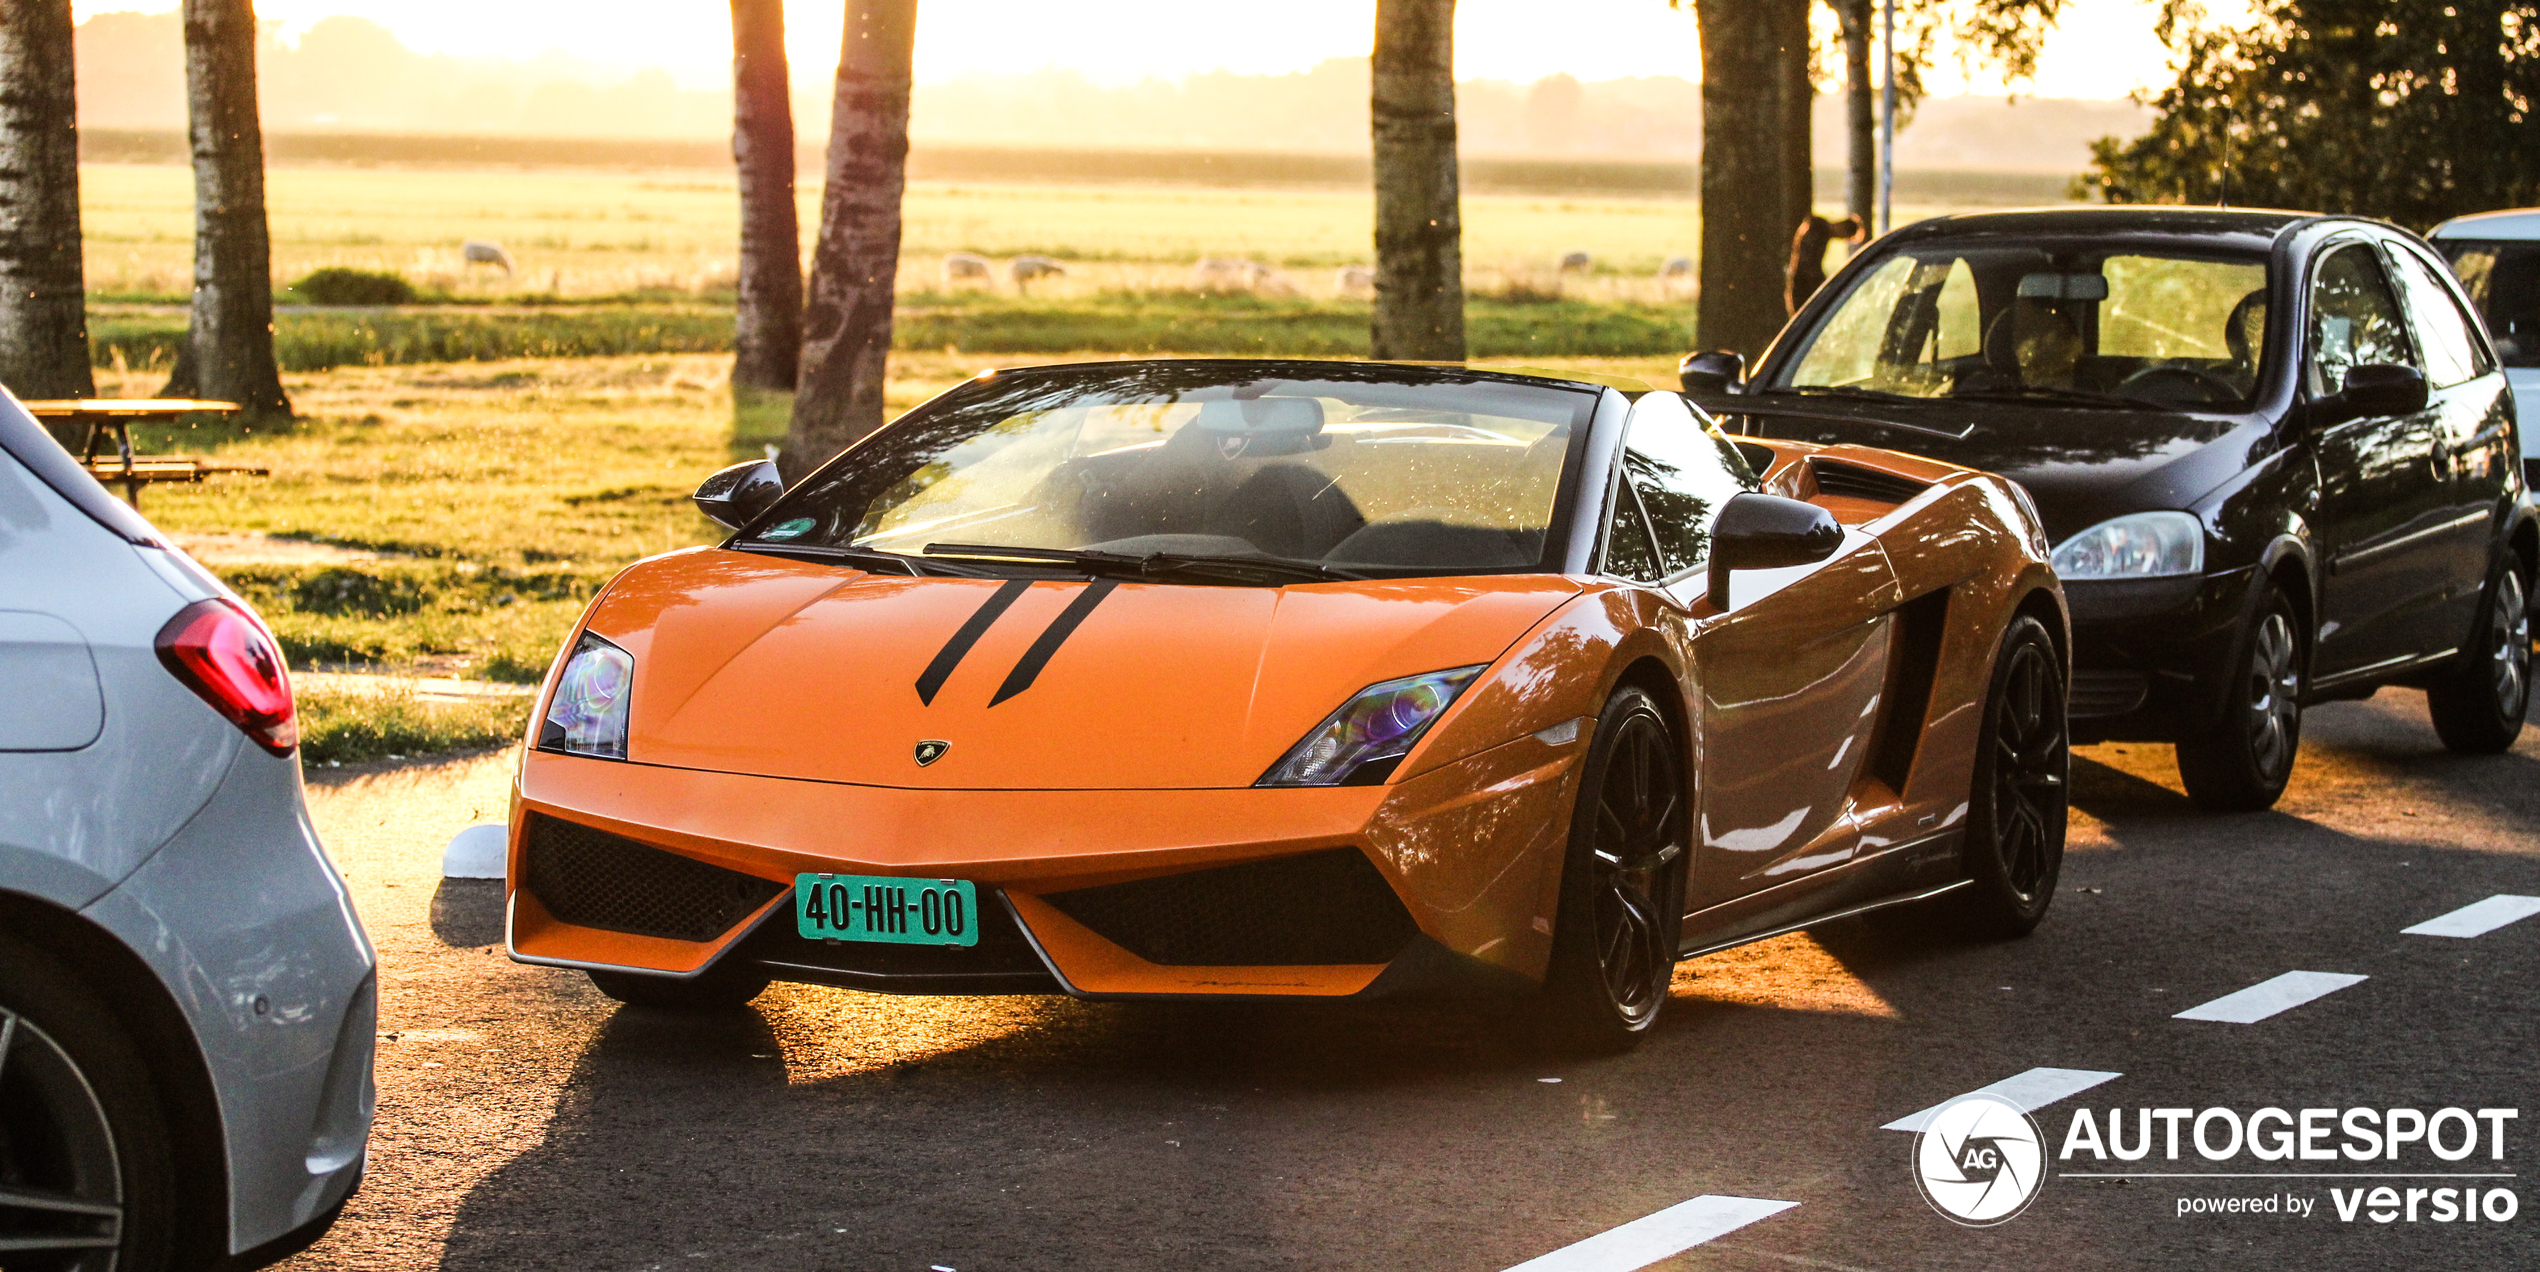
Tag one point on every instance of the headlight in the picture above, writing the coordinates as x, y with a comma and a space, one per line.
1362, 743
588, 714
2147, 545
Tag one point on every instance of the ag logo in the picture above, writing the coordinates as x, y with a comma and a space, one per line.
1979, 1161
929, 752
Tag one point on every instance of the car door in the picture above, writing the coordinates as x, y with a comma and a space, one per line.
2473, 448
2382, 500
1787, 683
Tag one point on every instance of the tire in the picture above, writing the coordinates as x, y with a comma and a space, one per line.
712, 991
2021, 799
2479, 702
1623, 881
86, 1155
2241, 763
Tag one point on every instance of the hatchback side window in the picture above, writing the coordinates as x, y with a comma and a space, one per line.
1628, 551
2354, 319
2451, 352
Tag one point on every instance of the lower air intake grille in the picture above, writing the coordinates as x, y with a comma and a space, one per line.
2108, 693
1850, 481
591, 878
1324, 907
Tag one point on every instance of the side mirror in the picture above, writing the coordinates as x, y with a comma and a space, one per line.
1718, 371
1764, 532
2376, 388
737, 494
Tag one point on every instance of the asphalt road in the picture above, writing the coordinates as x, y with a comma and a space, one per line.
526, 1122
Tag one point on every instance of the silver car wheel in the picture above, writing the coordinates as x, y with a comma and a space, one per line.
2509, 643
2275, 695
61, 1185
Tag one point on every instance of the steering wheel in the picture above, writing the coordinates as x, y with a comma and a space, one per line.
2164, 382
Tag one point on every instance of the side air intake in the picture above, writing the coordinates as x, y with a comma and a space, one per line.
1324, 907
1851, 481
591, 878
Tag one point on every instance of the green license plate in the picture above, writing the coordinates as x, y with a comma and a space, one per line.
831, 907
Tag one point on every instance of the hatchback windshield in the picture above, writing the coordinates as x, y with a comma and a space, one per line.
2050, 319
2503, 280
1159, 460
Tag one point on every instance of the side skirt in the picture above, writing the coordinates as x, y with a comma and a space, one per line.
1910, 871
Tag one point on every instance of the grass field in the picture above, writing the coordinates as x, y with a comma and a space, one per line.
585, 235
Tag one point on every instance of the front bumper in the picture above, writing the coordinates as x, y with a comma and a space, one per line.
249, 927
1103, 893
2151, 659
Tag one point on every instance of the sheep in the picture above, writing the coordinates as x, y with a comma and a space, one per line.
1024, 269
1355, 280
480, 252
1576, 262
962, 266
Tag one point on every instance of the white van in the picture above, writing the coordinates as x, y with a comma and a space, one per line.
2497, 255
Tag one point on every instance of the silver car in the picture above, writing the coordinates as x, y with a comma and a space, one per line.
187, 1000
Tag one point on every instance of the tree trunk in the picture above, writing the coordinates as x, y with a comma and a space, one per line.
767, 333
228, 349
847, 322
1795, 93
1746, 223
1419, 313
43, 300
1860, 113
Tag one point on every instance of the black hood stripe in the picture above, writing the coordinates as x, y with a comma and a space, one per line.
958, 648
1055, 635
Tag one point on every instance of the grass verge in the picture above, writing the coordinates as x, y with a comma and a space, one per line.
342, 727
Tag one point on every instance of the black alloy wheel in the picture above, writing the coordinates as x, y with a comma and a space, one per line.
715, 989
1623, 886
2479, 702
86, 1166
2022, 795
2242, 762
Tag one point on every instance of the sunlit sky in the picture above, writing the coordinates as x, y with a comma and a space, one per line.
2103, 48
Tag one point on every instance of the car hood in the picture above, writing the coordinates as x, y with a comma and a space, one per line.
2081, 466
748, 663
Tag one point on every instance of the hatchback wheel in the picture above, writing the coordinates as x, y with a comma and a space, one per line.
2242, 763
2479, 701
87, 1171
2019, 805
1622, 888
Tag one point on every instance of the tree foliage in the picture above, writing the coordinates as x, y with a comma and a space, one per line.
2409, 110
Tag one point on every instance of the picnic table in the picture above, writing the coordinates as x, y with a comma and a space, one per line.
115, 417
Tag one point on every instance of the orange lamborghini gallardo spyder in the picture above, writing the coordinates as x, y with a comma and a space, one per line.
1269, 678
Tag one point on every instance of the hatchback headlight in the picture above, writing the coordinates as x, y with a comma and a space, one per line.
2146, 545
1362, 743
587, 716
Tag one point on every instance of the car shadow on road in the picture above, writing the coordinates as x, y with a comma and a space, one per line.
467, 913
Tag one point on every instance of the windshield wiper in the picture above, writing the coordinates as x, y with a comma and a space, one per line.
1839, 390
869, 559
2048, 392
1257, 571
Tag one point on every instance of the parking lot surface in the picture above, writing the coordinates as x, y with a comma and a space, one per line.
525, 1121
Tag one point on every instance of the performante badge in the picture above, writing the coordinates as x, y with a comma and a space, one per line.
930, 751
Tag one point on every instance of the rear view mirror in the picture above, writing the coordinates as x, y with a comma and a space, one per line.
2376, 388
1764, 532
1718, 371
740, 493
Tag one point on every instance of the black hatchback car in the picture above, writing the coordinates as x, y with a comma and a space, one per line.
2273, 451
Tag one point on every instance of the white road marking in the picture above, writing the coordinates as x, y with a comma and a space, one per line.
2477, 918
2032, 1091
2267, 997
1648, 1239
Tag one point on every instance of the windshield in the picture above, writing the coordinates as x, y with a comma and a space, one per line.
2503, 280
2047, 319
1371, 476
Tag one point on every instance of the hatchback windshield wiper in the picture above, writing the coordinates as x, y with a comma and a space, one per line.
1258, 571
869, 559
1841, 391
2048, 392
